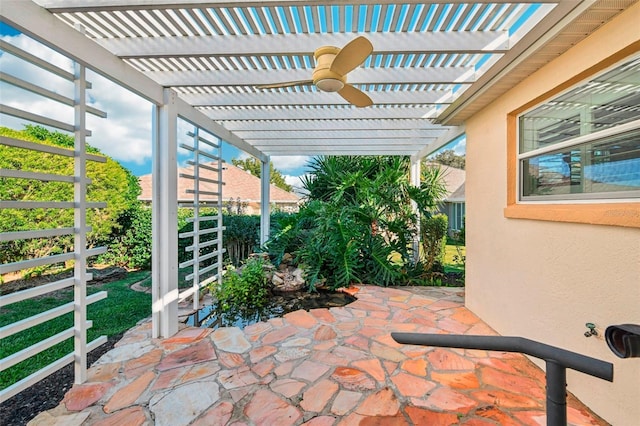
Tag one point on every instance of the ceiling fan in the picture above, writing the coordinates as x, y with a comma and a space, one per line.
332, 66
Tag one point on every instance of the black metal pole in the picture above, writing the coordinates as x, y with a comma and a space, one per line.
556, 394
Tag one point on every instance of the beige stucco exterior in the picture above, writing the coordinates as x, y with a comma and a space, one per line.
543, 279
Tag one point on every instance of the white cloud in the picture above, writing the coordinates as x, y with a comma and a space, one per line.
296, 183
461, 147
288, 163
124, 135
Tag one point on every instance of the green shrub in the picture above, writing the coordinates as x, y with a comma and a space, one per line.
433, 230
245, 289
130, 245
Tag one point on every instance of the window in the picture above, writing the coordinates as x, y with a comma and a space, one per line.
585, 143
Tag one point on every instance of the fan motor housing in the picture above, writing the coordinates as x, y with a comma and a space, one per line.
325, 79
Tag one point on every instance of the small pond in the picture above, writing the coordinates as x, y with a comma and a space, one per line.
210, 316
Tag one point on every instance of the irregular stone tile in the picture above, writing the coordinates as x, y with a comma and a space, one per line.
379, 314
381, 403
527, 368
390, 366
230, 339
531, 418
263, 368
512, 383
445, 399
441, 305
495, 414
181, 405
353, 379
237, 378
230, 360
345, 401
218, 415
103, 372
443, 359
477, 422
279, 335
300, 341
329, 358
168, 378
47, 419
372, 367
352, 419
358, 341
498, 364
80, 397
284, 368
190, 355
325, 346
505, 399
464, 380
320, 421
351, 291
137, 366
126, 352
261, 352
317, 396
276, 322
323, 314
465, 316
387, 340
266, 408
257, 328
578, 417
420, 416
288, 354
350, 353
416, 367
127, 395
409, 385
359, 313
324, 332
132, 416
301, 318
239, 393
368, 306
309, 370
385, 352
187, 336
341, 313
287, 387
397, 420
199, 371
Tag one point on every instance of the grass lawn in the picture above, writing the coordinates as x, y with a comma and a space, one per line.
121, 310
450, 264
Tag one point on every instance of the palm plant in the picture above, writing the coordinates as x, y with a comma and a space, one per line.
359, 222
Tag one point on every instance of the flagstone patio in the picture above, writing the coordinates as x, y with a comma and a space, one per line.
335, 366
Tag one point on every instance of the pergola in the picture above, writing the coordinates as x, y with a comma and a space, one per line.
433, 66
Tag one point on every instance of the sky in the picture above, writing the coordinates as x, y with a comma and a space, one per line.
125, 135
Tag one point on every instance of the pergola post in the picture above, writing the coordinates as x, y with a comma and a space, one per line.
165, 218
265, 200
414, 179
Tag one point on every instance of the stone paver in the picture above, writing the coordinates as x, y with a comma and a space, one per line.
336, 366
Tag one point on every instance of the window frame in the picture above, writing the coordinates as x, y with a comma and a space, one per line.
598, 211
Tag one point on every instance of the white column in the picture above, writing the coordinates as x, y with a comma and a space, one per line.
165, 219
414, 179
265, 200
80, 228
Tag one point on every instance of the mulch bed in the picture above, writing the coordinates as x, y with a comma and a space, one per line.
47, 393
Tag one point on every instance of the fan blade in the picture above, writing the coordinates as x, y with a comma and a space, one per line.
352, 55
355, 96
286, 84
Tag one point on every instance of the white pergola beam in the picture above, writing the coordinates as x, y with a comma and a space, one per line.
309, 98
417, 144
344, 150
305, 44
444, 139
425, 75
293, 113
275, 136
300, 125
93, 5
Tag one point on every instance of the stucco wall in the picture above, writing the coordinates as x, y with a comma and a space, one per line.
541, 279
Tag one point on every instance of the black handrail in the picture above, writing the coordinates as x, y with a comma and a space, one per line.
557, 361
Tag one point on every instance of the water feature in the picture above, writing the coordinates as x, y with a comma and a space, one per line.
211, 316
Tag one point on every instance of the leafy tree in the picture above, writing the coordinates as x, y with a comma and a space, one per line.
110, 183
359, 223
450, 158
254, 166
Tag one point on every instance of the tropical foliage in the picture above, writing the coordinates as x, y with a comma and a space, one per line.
359, 223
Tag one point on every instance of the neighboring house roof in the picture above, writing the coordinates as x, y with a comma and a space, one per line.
238, 183
454, 180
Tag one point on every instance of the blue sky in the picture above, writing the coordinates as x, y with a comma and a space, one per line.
126, 134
